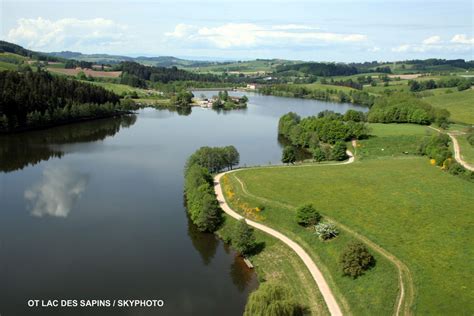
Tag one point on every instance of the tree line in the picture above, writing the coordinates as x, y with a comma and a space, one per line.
201, 202
334, 95
406, 108
320, 69
458, 82
41, 98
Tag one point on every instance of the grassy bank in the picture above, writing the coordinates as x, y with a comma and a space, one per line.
277, 263
410, 208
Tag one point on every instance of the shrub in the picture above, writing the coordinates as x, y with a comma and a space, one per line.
356, 259
243, 238
319, 154
289, 155
338, 151
307, 215
272, 299
326, 231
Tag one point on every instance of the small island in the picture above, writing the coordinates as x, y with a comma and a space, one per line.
223, 101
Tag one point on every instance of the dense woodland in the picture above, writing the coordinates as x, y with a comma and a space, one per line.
136, 74
405, 108
323, 135
320, 69
39, 98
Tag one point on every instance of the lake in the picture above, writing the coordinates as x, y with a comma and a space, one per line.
95, 210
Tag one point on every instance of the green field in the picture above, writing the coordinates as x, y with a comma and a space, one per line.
413, 210
375, 293
459, 104
467, 150
279, 264
392, 140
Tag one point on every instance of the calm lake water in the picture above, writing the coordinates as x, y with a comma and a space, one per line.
95, 210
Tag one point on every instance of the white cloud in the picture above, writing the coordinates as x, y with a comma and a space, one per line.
432, 40
68, 33
57, 192
245, 35
459, 43
401, 48
374, 49
462, 39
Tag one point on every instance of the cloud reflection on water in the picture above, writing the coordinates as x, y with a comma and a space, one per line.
57, 192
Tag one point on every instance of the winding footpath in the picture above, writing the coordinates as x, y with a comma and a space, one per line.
328, 296
403, 304
457, 149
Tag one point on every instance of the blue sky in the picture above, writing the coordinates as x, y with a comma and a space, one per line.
321, 30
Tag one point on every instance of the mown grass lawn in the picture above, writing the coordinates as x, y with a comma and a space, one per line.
459, 103
279, 264
412, 209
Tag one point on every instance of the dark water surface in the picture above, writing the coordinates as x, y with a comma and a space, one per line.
95, 210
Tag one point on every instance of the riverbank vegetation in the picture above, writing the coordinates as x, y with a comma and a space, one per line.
201, 202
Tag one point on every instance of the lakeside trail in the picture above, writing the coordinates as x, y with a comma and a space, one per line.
406, 287
457, 149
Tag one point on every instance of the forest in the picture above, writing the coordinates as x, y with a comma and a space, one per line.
38, 98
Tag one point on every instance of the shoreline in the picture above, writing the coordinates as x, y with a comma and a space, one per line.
63, 123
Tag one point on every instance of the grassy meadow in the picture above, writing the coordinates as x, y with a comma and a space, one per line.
418, 213
467, 150
459, 103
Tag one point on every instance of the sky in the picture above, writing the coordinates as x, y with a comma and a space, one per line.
318, 30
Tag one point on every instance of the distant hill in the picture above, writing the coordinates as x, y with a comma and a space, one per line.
161, 61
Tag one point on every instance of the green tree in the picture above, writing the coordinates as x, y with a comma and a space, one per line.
243, 238
272, 300
306, 215
289, 155
356, 259
338, 151
319, 154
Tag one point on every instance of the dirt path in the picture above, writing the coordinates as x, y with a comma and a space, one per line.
457, 149
406, 292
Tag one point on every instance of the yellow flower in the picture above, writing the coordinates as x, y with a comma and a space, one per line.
432, 162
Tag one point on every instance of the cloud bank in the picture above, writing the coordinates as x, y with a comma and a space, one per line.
56, 193
458, 43
68, 33
247, 35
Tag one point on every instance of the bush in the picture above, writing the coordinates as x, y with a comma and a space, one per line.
338, 151
307, 215
272, 299
289, 155
326, 231
356, 259
243, 238
319, 154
